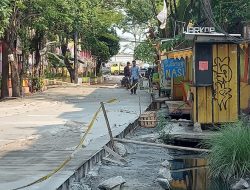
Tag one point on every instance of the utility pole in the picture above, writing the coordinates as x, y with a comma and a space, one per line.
75, 56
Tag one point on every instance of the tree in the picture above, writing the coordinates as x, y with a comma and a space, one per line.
230, 16
146, 52
5, 12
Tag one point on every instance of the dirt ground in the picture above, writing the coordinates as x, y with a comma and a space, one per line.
144, 163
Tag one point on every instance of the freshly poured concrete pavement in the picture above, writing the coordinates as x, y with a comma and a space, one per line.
39, 132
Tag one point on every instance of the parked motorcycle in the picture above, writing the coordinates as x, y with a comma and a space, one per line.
125, 82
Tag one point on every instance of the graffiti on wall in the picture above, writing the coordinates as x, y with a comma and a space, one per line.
222, 77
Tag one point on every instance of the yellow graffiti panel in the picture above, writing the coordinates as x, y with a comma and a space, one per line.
225, 82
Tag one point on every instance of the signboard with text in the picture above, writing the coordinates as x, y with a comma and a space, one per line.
203, 65
173, 68
195, 30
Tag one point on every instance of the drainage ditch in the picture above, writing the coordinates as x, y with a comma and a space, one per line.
147, 166
154, 168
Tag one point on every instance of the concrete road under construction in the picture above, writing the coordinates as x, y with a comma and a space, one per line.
39, 132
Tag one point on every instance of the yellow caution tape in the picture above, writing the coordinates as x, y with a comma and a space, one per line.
89, 128
66, 161
111, 101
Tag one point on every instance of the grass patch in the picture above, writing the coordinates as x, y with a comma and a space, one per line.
230, 156
164, 128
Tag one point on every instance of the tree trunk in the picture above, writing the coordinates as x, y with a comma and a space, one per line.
15, 79
98, 65
5, 72
37, 61
175, 10
208, 12
75, 58
67, 63
22, 73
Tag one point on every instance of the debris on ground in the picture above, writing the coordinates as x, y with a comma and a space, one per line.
120, 149
112, 183
242, 184
164, 183
79, 186
197, 128
165, 173
166, 164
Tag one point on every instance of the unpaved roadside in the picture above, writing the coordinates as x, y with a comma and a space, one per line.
41, 131
144, 163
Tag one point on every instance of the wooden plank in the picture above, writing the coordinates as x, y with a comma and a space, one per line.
209, 105
233, 101
202, 104
193, 109
215, 83
162, 145
108, 125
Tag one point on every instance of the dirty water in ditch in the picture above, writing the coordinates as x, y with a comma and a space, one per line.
192, 174
188, 170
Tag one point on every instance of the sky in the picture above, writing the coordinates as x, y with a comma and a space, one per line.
127, 42
126, 47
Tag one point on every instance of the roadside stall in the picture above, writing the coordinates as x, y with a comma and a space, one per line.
215, 92
175, 77
177, 69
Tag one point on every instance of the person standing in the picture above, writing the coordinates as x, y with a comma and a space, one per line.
126, 80
127, 70
134, 75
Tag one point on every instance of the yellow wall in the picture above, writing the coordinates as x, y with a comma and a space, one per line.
244, 96
244, 86
225, 84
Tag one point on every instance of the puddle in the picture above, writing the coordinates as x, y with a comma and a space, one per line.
192, 174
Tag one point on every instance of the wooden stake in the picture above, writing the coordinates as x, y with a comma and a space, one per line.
163, 145
140, 104
188, 169
108, 125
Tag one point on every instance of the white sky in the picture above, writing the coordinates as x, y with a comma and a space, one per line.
127, 41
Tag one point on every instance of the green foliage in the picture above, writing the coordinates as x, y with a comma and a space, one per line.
231, 15
178, 42
5, 12
139, 11
164, 128
103, 46
55, 60
230, 151
146, 52
37, 83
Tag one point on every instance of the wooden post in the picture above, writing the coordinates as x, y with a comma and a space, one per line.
108, 125
140, 104
163, 145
